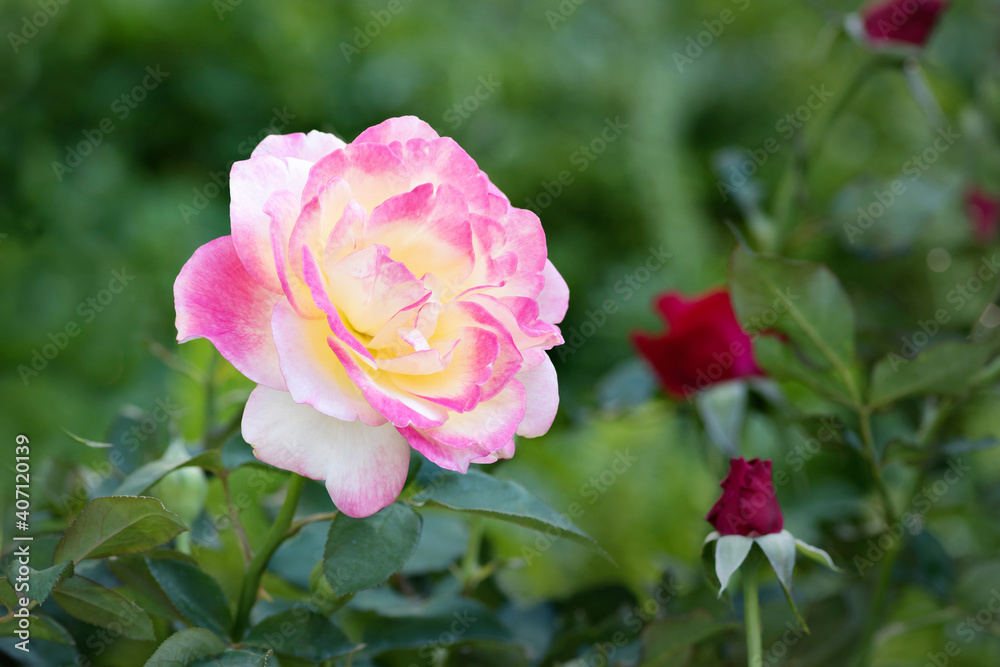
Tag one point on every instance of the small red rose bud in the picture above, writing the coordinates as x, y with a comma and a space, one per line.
983, 210
703, 345
748, 505
902, 21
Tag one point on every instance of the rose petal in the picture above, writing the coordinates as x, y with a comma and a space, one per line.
215, 298
314, 374
364, 466
400, 129
542, 398
251, 183
309, 147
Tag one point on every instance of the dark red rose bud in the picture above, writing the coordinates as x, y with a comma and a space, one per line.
703, 345
748, 505
902, 21
983, 210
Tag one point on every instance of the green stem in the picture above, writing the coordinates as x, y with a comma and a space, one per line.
751, 612
934, 420
277, 535
868, 440
470, 563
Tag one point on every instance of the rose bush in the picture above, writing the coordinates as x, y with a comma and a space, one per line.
383, 295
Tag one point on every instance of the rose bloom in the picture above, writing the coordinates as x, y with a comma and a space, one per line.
983, 210
703, 345
383, 295
748, 505
902, 21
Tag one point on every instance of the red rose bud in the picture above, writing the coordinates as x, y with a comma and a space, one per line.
704, 344
902, 21
983, 210
748, 505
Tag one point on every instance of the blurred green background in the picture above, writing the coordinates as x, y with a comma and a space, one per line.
534, 83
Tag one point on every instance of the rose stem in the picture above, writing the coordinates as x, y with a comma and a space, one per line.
277, 534
751, 611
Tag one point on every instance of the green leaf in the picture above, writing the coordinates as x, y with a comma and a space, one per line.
7, 595
93, 603
196, 595
664, 641
781, 361
117, 525
300, 633
42, 627
362, 553
40, 582
946, 368
235, 658
323, 597
478, 493
133, 571
441, 622
186, 648
803, 301
148, 475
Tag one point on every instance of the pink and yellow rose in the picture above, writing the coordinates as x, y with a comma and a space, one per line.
383, 295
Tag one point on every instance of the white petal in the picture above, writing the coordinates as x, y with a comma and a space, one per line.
780, 550
816, 554
542, 388
730, 552
364, 466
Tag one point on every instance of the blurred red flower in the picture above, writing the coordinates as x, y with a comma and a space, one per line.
704, 344
907, 21
748, 505
983, 210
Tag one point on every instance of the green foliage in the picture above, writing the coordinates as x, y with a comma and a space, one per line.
300, 633
93, 603
362, 553
193, 593
117, 525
